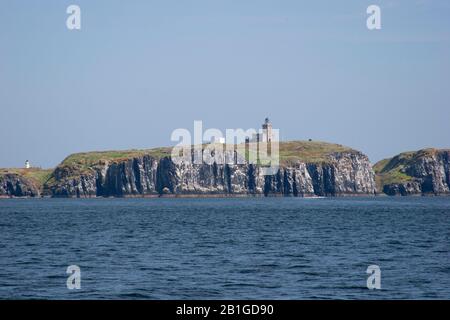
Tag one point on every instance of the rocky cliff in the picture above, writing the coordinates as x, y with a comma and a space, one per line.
424, 172
307, 169
22, 182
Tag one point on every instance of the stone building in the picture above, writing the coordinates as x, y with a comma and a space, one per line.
264, 134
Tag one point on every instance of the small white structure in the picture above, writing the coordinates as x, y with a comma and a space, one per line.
264, 135
27, 164
220, 140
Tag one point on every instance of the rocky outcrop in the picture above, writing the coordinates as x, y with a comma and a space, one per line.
343, 173
403, 188
16, 185
425, 172
307, 169
135, 176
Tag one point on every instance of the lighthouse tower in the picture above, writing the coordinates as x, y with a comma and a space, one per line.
27, 164
267, 131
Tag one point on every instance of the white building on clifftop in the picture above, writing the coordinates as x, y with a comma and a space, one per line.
265, 135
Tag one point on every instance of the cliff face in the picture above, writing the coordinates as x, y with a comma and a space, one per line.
338, 173
345, 173
16, 185
135, 176
307, 169
414, 173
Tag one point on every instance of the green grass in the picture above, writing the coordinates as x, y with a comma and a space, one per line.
82, 163
391, 177
36, 175
88, 159
391, 170
309, 151
290, 151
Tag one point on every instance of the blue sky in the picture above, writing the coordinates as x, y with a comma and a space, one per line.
137, 70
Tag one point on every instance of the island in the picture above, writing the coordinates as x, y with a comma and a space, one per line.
307, 169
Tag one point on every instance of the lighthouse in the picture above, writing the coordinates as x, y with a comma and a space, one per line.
27, 164
265, 134
267, 131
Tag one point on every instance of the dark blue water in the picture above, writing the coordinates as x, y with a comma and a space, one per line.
264, 248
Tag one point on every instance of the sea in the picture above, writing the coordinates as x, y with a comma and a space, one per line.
225, 248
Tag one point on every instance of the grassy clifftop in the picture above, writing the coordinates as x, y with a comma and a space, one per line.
115, 172
290, 151
91, 158
309, 151
37, 176
392, 170
80, 163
